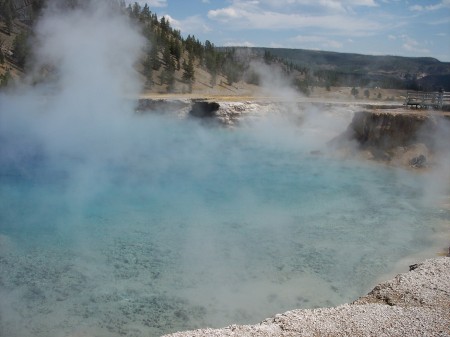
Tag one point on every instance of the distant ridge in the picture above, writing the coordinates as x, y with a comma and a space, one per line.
352, 61
420, 73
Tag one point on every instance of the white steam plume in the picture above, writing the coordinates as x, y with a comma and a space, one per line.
91, 52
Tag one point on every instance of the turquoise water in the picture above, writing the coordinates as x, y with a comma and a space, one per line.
164, 224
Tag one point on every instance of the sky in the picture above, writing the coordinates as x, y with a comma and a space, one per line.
373, 27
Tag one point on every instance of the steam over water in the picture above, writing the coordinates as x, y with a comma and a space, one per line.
117, 224
191, 226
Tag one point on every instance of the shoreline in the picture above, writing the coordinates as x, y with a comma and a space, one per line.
410, 304
255, 98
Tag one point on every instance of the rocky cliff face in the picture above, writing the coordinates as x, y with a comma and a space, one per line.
387, 130
407, 138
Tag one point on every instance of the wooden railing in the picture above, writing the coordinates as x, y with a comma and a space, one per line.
423, 99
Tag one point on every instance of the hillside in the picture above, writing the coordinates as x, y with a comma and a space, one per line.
346, 69
171, 63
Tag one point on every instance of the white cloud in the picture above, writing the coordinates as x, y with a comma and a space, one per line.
191, 25
339, 5
151, 3
443, 21
392, 37
239, 44
332, 44
346, 5
250, 17
368, 3
315, 41
276, 45
338, 17
412, 45
224, 14
416, 8
157, 3
439, 5
442, 4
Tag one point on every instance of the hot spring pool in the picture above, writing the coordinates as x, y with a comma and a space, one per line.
173, 225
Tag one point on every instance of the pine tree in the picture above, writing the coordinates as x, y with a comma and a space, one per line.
148, 70
21, 48
7, 12
4, 79
136, 11
156, 64
2, 56
145, 14
168, 74
188, 70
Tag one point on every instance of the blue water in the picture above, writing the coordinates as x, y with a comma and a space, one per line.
172, 224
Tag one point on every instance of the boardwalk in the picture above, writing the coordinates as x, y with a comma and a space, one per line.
425, 100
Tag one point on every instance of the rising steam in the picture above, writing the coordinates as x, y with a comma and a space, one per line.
85, 61
146, 224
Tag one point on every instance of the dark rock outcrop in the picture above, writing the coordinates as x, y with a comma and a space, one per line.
386, 130
418, 162
406, 139
204, 109
161, 105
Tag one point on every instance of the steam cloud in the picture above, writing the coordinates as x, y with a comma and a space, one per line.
80, 124
87, 57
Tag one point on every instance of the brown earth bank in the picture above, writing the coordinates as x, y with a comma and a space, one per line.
416, 303
402, 137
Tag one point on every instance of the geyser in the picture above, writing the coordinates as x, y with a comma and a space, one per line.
113, 223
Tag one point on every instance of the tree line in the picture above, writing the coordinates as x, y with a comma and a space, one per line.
167, 51
169, 57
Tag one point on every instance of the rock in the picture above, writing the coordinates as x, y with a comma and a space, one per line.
413, 266
418, 162
387, 130
204, 109
401, 139
415, 155
147, 105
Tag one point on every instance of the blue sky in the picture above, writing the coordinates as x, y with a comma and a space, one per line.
375, 27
